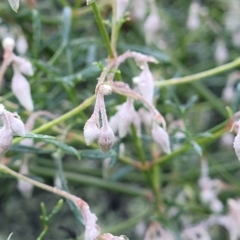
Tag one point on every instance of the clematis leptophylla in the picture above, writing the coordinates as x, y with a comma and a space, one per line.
161, 137
124, 117
12, 125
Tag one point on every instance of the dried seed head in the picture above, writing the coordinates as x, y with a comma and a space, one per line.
91, 131
8, 43
106, 139
21, 90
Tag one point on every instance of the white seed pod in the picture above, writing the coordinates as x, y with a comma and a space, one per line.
8, 43
21, 44
23, 65
16, 124
6, 137
91, 131
146, 84
228, 94
106, 139
22, 91
161, 137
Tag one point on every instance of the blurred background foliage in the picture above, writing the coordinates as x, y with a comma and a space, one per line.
64, 41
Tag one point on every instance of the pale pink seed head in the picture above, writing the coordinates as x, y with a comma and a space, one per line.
21, 89
106, 139
146, 84
161, 137
91, 131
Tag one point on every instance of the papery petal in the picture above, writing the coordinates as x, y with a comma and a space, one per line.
23, 65
161, 137
16, 124
22, 91
6, 137
146, 84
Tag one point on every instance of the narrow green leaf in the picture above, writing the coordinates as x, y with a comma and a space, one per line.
14, 5
36, 25
38, 136
63, 146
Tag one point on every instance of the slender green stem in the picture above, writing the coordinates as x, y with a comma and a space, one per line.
94, 182
114, 26
201, 75
62, 118
102, 29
